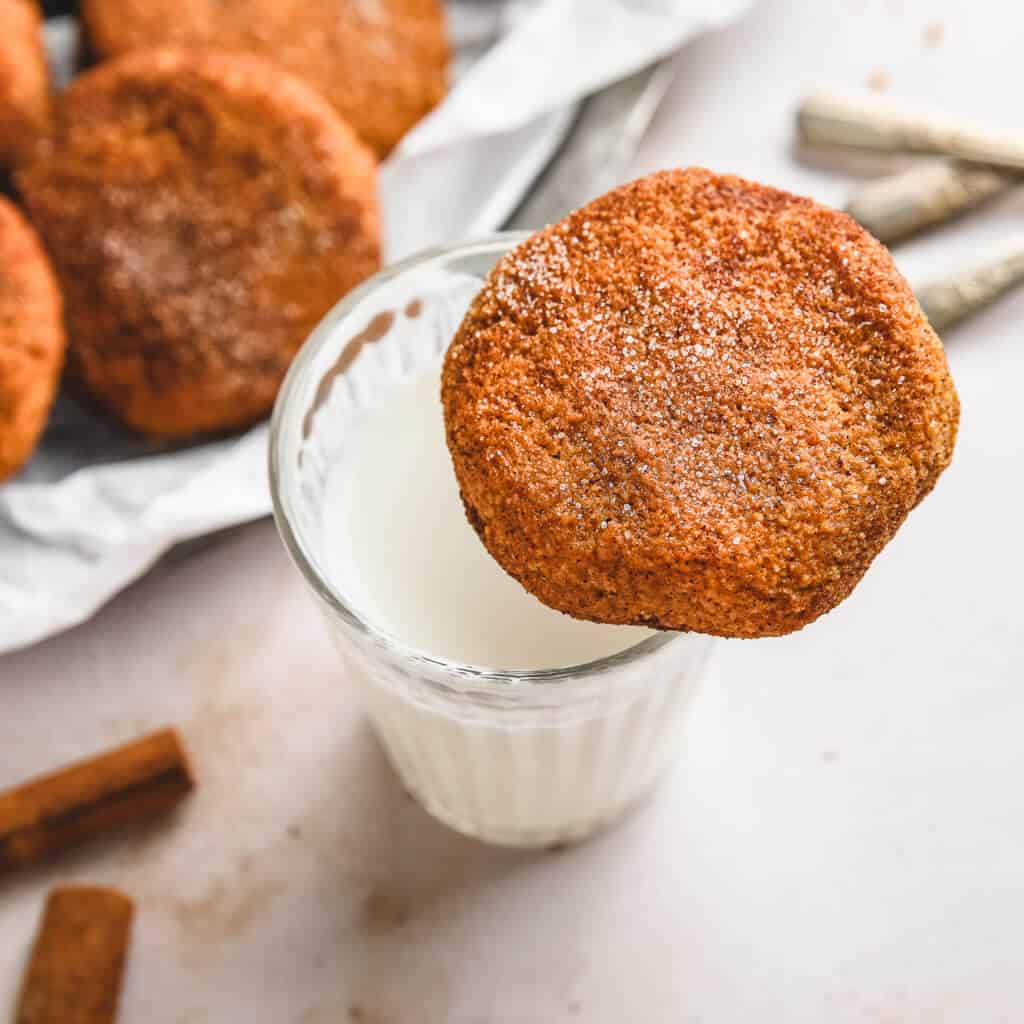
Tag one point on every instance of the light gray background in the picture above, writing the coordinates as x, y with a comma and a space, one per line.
842, 840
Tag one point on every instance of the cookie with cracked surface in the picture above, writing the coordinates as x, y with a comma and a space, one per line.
698, 403
381, 63
203, 212
24, 80
31, 340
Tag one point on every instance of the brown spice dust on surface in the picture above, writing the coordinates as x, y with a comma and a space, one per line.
359, 1014
225, 910
385, 910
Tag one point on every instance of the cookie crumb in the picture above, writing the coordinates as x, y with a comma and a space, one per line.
934, 34
879, 81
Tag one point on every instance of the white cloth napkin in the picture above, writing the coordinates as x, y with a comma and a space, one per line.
74, 530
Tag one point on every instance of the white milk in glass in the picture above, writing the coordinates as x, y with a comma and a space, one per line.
504, 756
396, 532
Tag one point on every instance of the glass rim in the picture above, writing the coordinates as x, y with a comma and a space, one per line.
457, 675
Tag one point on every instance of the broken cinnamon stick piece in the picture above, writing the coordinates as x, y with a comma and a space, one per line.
50, 814
74, 974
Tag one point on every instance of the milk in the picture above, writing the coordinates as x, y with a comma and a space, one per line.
434, 638
397, 540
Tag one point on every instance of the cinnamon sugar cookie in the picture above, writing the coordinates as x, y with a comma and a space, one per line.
24, 79
203, 212
697, 403
31, 340
381, 63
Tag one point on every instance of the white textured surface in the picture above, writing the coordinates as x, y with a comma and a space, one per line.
842, 839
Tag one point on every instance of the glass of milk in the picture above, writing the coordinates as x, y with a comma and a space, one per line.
507, 720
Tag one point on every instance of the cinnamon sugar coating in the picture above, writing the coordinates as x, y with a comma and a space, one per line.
203, 211
24, 80
698, 403
381, 63
31, 340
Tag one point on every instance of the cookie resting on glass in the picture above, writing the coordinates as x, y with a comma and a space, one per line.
698, 403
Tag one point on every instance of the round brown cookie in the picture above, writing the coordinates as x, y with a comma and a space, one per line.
381, 63
203, 212
24, 79
31, 340
697, 403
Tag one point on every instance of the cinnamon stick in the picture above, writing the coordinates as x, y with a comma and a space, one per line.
47, 815
74, 974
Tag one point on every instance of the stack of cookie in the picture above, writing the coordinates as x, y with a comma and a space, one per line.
203, 197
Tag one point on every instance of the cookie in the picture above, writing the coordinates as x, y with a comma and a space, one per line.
203, 212
31, 340
698, 403
24, 80
381, 63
